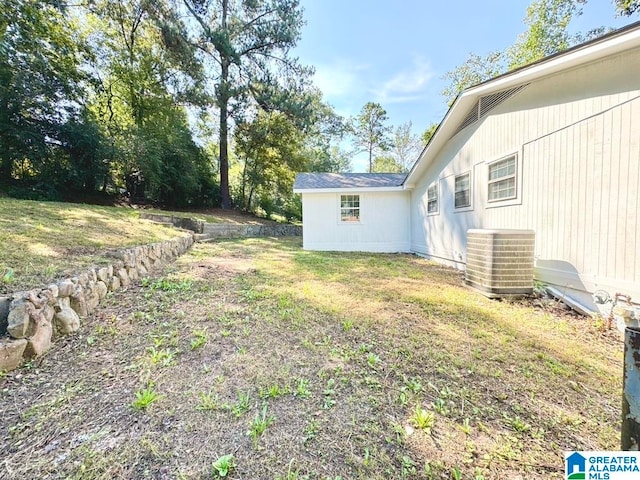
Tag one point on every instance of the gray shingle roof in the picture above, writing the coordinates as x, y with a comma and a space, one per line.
307, 181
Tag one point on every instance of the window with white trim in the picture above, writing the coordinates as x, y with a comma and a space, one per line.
463, 190
502, 179
349, 208
432, 198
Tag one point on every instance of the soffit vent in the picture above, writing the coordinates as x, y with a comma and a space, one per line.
471, 117
485, 105
492, 101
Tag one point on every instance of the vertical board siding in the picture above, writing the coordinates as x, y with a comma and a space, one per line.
578, 160
591, 224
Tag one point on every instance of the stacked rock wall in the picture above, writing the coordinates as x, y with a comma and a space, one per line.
34, 318
225, 230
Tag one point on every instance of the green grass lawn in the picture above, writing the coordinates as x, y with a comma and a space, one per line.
43, 241
258, 360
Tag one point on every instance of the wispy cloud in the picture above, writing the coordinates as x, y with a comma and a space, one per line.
338, 79
406, 85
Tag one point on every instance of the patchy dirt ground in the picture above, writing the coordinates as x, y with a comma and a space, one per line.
307, 365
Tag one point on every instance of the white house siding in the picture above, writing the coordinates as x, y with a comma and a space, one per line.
577, 137
384, 222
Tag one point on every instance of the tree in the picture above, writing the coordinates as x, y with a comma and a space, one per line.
40, 82
333, 159
246, 44
139, 84
370, 134
547, 33
627, 7
387, 164
406, 147
270, 149
476, 69
428, 133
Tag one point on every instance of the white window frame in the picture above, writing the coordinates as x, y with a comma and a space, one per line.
467, 206
435, 199
510, 176
355, 207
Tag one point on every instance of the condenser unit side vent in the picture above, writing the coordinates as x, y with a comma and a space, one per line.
500, 262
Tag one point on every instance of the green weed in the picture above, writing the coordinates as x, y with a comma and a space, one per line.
423, 419
302, 388
310, 431
208, 402
200, 339
145, 397
242, 405
223, 465
292, 474
162, 356
260, 424
172, 286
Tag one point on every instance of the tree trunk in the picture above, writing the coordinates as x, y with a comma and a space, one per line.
224, 150
223, 101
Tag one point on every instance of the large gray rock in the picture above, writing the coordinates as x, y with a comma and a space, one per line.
143, 271
65, 288
103, 275
124, 278
93, 276
19, 324
66, 321
102, 289
114, 284
55, 291
132, 272
79, 304
93, 299
11, 352
40, 342
48, 312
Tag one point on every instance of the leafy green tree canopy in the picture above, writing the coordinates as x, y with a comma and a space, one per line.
246, 45
370, 132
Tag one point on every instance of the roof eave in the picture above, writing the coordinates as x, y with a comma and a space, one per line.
398, 188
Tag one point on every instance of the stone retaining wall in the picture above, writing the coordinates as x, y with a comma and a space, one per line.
181, 222
213, 231
34, 318
225, 230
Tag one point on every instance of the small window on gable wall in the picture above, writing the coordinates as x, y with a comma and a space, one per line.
432, 198
502, 179
463, 190
349, 208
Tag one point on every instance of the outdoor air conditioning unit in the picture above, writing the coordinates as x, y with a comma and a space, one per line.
500, 262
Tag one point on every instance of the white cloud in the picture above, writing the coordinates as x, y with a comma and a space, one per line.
339, 79
406, 85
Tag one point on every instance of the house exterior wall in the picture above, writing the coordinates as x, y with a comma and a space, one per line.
577, 140
384, 222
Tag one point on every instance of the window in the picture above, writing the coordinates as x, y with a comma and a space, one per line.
432, 198
463, 190
349, 208
502, 179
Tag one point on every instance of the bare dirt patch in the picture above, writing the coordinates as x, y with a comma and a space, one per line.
311, 365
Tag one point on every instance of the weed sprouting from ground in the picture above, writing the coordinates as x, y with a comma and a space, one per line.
260, 424
223, 465
145, 397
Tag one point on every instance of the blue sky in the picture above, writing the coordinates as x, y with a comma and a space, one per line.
395, 52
